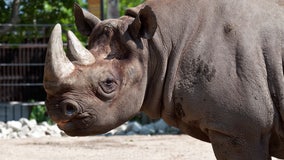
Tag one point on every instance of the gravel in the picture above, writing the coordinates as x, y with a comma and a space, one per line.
25, 128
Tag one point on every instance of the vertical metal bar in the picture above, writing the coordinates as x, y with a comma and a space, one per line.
14, 114
102, 10
22, 59
6, 114
21, 110
9, 75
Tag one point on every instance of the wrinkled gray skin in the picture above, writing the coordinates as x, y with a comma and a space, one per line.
213, 68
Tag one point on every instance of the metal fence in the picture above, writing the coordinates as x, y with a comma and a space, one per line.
21, 69
22, 64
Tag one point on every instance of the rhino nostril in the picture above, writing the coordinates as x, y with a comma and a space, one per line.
70, 109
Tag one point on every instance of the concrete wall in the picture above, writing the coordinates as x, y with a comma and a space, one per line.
16, 110
13, 111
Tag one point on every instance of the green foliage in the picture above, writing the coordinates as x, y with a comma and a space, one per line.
124, 4
34, 12
39, 114
5, 9
38, 12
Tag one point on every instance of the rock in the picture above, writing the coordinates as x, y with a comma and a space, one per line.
44, 124
147, 130
173, 130
15, 125
2, 124
53, 131
130, 133
134, 126
37, 132
160, 125
119, 133
32, 123
21, 135
63, 134
24, 121
25, 128
161, 132
5, 132
13, 135
24, 132
123, 128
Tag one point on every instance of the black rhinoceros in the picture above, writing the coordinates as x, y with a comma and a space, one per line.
213, 68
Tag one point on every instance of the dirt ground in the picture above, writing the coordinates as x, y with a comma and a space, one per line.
169, 147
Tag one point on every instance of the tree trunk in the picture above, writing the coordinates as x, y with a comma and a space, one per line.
14, 17
112, 9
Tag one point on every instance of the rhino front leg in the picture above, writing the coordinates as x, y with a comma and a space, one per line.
228, 147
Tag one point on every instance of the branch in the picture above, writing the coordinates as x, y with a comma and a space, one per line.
14, 17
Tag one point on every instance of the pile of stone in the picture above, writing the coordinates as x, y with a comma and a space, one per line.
25, 128
133, 128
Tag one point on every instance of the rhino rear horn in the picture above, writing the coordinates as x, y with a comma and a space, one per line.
84, 20
57, 65
78, 52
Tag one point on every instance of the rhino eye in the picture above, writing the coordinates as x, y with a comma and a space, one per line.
107, 87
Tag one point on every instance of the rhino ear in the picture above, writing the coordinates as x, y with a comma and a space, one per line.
144, 24
84, 20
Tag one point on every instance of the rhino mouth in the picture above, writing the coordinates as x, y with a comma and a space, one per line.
82, 122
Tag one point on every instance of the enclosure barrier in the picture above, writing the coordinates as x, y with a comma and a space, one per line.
21, 68
16, 110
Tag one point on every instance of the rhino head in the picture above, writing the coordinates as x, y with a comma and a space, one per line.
91, 91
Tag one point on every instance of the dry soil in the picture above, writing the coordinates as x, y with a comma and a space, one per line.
169, 147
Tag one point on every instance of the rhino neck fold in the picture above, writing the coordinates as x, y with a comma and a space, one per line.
157, 69
165, 50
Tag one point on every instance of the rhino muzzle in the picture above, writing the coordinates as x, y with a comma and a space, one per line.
57, 64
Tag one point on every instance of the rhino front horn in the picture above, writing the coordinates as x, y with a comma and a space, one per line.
57, 65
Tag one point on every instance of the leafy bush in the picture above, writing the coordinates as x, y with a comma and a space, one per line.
39, 113
124, 4
33, 13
